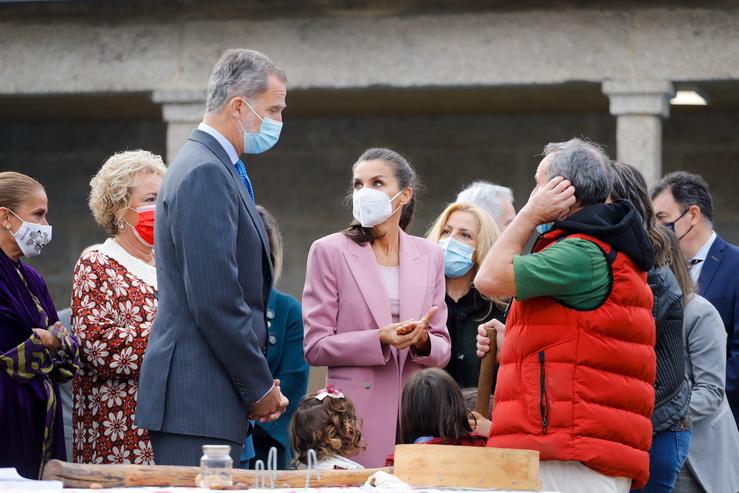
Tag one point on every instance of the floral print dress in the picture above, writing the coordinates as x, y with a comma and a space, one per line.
112, 313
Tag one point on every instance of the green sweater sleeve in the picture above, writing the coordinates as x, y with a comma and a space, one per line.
572, 271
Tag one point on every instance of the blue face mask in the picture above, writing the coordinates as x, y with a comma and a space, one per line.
544, 228
265, 139
457, 257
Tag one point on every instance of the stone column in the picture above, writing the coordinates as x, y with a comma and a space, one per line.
182, 110
639, 106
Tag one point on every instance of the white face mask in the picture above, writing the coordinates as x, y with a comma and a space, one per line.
372, 207
31, 237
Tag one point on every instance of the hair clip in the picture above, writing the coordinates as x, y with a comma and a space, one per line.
329, 391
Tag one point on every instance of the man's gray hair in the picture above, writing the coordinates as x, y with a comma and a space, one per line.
239, 73
585, 165
486, 196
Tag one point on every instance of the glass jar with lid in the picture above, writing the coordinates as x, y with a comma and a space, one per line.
216, 466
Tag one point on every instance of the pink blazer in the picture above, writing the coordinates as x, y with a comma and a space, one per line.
344, 306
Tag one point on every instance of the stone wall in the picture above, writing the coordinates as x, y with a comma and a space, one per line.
304, 180
706, 143
63, 156
94, 53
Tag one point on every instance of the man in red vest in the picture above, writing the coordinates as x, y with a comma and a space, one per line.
577, 369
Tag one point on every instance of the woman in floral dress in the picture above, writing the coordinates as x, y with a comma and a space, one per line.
114, 301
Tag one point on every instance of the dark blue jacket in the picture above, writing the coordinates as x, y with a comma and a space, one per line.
287, 363
719, 284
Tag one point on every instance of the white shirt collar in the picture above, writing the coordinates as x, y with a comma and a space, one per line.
225, 143
702, 254
147, 273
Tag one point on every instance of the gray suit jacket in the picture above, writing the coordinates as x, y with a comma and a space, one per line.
205, 363
65, 390
713, 457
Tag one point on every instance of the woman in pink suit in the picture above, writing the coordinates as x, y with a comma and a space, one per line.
373, 304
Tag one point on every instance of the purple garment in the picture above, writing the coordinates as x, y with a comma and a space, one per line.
23, 405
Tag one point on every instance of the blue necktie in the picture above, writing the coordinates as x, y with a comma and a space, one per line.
245, 178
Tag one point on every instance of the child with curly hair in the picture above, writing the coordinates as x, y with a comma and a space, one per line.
326, 422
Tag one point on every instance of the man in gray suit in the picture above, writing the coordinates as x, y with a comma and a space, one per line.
205, 371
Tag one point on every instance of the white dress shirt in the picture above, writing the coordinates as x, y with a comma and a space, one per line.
702, 254
225, 143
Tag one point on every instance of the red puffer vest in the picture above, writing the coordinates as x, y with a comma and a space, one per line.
579, 385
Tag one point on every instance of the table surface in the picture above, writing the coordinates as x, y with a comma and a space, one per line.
48, 487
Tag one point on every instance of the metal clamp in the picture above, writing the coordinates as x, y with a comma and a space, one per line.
259, 475
312, 466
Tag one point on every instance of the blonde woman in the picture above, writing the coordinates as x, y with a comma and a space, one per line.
114, 301
466, 234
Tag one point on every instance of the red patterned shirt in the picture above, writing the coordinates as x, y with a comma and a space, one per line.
112, 313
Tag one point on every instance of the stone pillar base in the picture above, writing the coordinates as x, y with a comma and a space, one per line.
639, 143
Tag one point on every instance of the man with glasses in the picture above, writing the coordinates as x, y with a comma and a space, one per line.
683, 203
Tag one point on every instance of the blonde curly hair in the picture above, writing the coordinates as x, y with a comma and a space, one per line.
110, 188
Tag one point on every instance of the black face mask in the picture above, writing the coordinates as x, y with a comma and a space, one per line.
671, 225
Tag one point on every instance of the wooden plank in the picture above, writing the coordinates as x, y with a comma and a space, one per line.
467, 467
123, 475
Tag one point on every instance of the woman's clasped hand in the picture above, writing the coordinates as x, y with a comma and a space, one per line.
49, 339
409, 333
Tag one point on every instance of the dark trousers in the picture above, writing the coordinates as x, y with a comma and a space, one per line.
262, 443
171, 449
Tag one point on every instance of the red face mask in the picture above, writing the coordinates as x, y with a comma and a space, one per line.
144, 229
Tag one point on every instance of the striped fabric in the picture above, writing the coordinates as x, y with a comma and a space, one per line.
30, 360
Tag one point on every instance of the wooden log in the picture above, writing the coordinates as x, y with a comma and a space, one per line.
448, 466
485, 381
123, 475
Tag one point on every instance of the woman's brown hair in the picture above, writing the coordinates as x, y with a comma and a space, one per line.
329, 426
629, 184
678, 264
15, 188
432, 405
407, 178
275, 241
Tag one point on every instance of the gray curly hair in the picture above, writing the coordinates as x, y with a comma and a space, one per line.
487, 196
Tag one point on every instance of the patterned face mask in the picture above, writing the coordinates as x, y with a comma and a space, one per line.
31, 237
